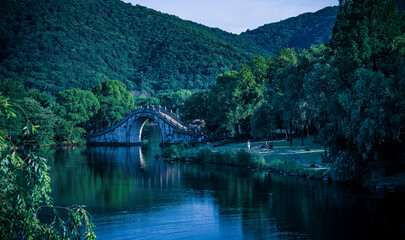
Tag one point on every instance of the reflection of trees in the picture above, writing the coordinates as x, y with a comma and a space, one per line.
265, 205
110, 177
287, 207
331, 212
237, 192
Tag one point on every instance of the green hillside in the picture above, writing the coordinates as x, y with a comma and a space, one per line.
302, 31
57, 45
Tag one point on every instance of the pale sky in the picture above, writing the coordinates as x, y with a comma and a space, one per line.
235, 15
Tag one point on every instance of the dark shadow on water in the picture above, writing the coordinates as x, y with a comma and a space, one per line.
131, 193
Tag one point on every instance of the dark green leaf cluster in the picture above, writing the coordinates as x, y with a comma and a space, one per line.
25, 191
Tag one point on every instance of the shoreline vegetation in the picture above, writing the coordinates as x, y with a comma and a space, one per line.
307, 161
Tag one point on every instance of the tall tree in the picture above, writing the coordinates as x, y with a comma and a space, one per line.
219, 103
74, 107
77, 105
368, 81
115, 102
195, 107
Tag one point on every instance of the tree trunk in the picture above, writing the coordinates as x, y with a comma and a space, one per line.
302, 136
291, 138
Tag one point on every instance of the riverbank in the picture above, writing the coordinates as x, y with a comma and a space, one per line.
291, 160
59, 144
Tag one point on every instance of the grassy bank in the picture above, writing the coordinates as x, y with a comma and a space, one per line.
295, 160
289, 159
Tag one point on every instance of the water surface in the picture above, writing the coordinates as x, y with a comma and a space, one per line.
132, 195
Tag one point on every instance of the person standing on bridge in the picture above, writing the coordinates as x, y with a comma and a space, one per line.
248, 145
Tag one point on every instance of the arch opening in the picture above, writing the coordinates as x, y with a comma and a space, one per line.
151, 133
141, 127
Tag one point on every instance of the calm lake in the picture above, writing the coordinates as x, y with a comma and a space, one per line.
132, 195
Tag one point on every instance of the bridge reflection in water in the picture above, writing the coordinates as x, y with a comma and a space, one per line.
133, 195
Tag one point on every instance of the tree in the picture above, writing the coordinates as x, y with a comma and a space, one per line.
195, 107
42, 117
173, 100
40, 97
219, 103
247, 96
235, 97
263, 122
288, 82
363, 35
146, 101
75, 107
366, 51
115, 102
25, 190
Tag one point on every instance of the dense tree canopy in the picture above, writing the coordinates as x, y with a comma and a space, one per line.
59, 45
302, 31
115, 102
77, 105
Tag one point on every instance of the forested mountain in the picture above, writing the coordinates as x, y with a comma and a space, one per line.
57, 45
302, 31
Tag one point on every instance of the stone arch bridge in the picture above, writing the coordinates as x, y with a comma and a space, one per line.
128, 131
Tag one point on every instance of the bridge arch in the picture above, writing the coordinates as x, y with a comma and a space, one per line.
136, 128
129, 130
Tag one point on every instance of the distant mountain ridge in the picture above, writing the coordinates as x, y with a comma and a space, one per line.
56, 45
297, 32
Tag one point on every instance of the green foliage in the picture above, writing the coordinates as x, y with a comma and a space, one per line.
12, 89
115, 102
366, 49
195, 107
143, 101
40, 97
263, 122
237, 95
173, 100
43, 118
76, 105
219, 103
302, 31
74, 108
174, 151
57, 45
25, 190
116, 89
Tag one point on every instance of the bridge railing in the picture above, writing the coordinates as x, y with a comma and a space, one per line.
173, 118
